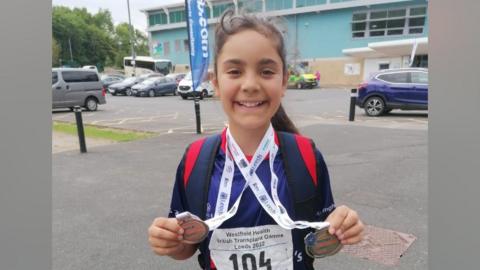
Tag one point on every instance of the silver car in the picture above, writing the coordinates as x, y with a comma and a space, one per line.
76, 87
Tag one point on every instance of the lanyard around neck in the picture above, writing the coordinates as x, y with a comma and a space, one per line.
234, 155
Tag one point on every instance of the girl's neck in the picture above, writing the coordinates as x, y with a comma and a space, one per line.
248, 139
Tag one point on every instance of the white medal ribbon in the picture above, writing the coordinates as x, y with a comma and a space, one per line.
274, 208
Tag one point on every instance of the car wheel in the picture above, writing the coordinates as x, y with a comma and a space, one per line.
91, 104
128, 92
151, 93
114, 93
374, 106
175, 92
183, 96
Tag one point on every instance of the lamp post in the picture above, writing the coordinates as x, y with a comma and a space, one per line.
132, 38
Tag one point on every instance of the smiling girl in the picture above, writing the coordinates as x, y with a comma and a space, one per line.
250, 209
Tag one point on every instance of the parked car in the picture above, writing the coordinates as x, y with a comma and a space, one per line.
405, 89
301, 81
155, 86
91, 68
76, 87
109, 79
177, 77
125, 87
150, 75
185, 88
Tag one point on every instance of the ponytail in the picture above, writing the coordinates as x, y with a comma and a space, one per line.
281, 122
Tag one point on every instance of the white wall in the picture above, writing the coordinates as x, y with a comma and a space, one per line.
372, 64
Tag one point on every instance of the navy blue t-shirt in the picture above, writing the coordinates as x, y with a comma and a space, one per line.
250, 212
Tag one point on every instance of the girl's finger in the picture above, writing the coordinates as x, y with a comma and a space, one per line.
169, 250
336, 218
170, 224
160, 243
352, 240
162, 233
353, 231
350, 220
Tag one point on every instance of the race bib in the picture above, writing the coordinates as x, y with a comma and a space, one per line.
267, 247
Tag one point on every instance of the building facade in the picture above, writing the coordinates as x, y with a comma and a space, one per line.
346, 40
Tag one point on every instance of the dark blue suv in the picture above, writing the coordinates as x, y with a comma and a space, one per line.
405, 89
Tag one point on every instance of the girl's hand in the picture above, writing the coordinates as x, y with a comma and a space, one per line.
346, 225
165, 237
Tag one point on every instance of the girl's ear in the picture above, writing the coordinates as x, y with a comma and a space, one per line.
215, 85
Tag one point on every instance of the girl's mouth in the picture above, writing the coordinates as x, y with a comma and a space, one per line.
250, 104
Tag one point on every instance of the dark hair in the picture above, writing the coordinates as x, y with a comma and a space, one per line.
230, 24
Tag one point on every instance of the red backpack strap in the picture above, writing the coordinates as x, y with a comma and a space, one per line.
190, 159
305, 146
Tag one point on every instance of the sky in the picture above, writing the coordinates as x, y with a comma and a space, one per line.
118, 9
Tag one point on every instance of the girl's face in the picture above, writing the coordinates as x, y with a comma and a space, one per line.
249, 80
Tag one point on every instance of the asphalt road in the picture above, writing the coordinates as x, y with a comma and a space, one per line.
169, 114
104, 201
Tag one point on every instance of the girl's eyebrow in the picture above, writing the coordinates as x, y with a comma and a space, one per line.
267, 61
262, 62
234, 62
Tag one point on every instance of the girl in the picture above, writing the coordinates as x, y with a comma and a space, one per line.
250, 80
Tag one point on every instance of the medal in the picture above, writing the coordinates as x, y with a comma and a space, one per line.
195, 230
321, 243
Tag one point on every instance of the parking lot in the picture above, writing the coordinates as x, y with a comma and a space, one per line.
167, 114
103, 201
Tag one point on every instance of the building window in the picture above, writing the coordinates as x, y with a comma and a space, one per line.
305, 3
178, 45
278, 4
177, 16
218, 9
251, 5
166, 48
379, 23
157, 18
186, 46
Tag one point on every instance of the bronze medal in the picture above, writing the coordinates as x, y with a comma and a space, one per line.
321, 243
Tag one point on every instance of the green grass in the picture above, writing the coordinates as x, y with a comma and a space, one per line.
101, 132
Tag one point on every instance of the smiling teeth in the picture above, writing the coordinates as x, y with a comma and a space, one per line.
250, 104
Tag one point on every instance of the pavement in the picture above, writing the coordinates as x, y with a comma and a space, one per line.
104, 200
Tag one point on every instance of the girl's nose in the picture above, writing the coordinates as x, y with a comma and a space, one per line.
250, 83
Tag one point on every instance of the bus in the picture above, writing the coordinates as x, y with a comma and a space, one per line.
147, 64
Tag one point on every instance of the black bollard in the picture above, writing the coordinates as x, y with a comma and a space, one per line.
197, 114
81, 133
353, 100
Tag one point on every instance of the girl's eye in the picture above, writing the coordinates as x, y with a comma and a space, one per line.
233, 72
267, 72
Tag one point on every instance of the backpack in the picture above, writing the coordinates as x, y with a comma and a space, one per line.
300, 165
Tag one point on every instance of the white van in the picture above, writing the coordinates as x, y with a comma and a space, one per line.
91, 68
185, 88
76, 87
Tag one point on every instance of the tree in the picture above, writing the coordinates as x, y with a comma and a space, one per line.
55, 53
122, 38
93, 39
